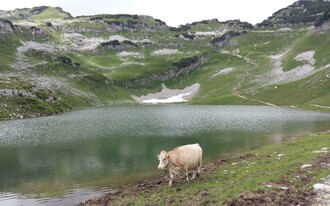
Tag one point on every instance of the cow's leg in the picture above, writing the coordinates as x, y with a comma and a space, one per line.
171, 178
199, 168
187, 173
194, 174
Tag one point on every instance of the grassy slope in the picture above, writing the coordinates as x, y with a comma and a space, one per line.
248, 54
257, 47
247, 174
251, 60
311, 90
94, 86
8, 46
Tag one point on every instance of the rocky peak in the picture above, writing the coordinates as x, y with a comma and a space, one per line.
300, 12
31, 13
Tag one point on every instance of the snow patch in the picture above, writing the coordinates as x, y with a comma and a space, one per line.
169, 95
174, 99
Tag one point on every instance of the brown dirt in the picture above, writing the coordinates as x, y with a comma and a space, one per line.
284, 194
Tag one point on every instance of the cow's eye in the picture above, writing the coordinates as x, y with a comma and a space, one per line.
164, 159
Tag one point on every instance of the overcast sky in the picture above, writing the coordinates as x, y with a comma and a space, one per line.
173, 12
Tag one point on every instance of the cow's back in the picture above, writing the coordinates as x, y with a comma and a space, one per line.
190, 155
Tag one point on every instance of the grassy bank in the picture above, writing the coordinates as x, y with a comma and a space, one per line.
270, 175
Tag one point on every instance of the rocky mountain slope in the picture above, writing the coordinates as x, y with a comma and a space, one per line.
300, 12
51, 62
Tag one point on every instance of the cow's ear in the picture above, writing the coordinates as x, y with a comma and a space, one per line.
157, 156
168, 155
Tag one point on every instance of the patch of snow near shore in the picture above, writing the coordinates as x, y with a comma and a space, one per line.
169, 95
163, 52
174, 99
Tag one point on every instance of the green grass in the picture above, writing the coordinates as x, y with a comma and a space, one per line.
250, 172
8, 46
301, 93
50, 13
318, 42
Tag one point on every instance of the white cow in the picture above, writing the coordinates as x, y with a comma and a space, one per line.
186, 158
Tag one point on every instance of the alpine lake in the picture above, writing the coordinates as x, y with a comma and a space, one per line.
69, 158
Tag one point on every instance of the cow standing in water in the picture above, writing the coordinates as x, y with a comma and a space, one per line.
186, 158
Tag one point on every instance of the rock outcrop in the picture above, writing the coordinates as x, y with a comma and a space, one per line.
224, 39
6, 27
300, 12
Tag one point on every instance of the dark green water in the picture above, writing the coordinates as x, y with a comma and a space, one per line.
68, 158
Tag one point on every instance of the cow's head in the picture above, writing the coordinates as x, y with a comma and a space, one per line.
164, 160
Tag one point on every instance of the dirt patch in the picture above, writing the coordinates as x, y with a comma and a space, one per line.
274, 197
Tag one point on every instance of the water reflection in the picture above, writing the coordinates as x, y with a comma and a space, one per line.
57, 158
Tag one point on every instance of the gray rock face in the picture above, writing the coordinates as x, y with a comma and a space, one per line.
6, 26
115, 26
224, 39
68, 29
15, 92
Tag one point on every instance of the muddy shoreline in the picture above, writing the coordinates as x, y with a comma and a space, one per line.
288, 195
144, 186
